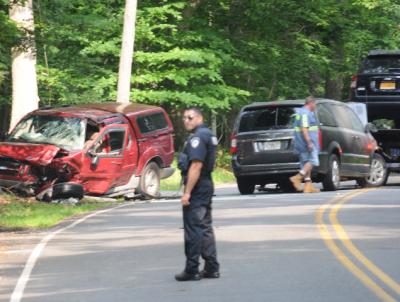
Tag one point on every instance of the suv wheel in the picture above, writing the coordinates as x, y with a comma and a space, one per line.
149, 184
331, 181
245, 186
378, 175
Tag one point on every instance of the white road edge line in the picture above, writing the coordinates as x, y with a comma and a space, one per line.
34, 256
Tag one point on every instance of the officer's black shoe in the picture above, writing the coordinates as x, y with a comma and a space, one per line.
184, 276
210, 275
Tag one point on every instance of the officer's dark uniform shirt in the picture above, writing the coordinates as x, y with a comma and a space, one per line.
202, 146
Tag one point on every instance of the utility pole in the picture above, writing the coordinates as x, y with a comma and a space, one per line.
125, 62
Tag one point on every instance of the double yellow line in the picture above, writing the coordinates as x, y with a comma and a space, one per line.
333, 207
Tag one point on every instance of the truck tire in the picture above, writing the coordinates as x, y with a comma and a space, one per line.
67, 190
379, 173
149, 183
245, 186
331, 180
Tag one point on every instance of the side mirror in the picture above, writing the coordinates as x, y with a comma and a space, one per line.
95, 161
95, 158
371, 128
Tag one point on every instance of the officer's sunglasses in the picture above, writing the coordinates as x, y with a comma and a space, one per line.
189, 118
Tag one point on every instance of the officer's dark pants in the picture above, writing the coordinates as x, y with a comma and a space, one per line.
199, 234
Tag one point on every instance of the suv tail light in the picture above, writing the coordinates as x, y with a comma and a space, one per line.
320, 139
353, 83
233, 149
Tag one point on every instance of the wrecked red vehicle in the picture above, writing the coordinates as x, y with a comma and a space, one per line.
106, 149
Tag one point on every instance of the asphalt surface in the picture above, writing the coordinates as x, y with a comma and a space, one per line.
271, 246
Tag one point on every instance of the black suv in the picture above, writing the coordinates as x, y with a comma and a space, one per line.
378, 79
377, 84
263, 140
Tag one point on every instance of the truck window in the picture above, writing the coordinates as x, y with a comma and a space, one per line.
152, 122
111, 142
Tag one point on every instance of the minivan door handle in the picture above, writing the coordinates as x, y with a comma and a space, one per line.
356, 137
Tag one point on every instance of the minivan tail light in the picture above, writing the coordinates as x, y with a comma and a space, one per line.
353, 83
233, 149
320, 139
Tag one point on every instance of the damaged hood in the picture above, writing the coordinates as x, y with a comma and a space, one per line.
33, 153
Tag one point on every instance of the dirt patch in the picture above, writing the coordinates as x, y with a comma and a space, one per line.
3, 201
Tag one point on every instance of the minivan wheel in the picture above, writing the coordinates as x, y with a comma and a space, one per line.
378, 175
331, 181
245, 186
149, 184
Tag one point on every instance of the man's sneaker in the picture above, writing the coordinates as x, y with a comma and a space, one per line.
184, 276
210, 275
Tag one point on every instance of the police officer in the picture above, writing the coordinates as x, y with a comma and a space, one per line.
306, 145
196, 163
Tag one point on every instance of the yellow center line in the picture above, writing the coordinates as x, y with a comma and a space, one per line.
342, 235
340, 255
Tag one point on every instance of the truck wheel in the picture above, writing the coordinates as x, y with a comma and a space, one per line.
378, 175
331, 180
245, 186
149, 184
67, 190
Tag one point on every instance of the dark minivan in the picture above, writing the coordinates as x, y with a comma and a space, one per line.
263, 140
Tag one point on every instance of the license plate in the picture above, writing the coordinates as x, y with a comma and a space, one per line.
267, 146
387, 85
395, 152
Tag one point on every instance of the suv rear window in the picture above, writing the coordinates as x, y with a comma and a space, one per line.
381, 64
267, 118
152, 122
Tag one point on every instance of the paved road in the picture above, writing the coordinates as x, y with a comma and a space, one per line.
332, 246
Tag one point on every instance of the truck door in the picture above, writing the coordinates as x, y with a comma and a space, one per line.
106, 163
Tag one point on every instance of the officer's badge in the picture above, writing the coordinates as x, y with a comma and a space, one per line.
195, 142
214, 140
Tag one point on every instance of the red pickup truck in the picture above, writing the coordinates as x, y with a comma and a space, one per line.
107, 149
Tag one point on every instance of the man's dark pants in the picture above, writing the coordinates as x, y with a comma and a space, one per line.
199, 233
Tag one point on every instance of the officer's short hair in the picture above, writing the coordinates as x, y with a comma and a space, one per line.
310, 99
195, 109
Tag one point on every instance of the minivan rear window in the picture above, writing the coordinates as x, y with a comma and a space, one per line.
267, 118
381, 64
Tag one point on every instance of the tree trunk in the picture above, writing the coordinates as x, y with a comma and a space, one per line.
334, 87
24, 83
125, 62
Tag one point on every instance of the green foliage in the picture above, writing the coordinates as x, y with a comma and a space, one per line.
172, 65
218, 55
9, 37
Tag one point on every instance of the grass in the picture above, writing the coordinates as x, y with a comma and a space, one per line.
22, 213
221, 175
18, 213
